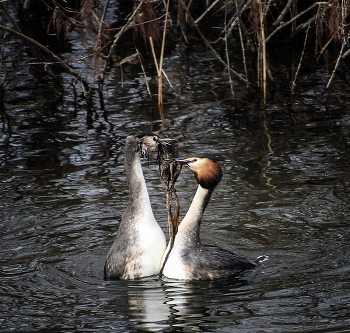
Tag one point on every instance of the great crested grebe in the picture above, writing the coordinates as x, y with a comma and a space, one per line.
189, 259
140, 243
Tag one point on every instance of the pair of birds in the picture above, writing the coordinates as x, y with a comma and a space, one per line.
140, 247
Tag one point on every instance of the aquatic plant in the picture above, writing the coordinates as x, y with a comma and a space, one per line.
256, 25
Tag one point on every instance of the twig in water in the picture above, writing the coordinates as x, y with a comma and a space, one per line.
239, 22
227, 56
283, 13
41, 47
324, 48
103, 17
135, 59
128, 23
294, 18
35, 53
344, 38
160, 86
301, 59
154, 55
144, 74
263, 50
206, 11
304, 25
210, 47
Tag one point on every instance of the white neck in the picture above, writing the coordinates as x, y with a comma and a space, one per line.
138, 194
190, 226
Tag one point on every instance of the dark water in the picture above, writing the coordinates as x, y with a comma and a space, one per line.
285, 194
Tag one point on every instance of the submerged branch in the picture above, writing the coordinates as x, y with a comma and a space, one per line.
41, 47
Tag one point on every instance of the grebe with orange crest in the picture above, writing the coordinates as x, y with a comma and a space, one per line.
189, 259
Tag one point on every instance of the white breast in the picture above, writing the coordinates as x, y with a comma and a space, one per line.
153, 245
174, 267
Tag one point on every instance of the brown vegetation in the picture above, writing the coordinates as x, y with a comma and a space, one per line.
256, 25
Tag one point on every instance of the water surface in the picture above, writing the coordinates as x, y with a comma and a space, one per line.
285, 194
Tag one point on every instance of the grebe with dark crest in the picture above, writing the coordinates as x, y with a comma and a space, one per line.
140, 243
188, 258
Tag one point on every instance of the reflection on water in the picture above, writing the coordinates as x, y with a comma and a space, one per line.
285, 193
146, 305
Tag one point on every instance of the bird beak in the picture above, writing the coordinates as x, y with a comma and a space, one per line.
183, 161
166, 141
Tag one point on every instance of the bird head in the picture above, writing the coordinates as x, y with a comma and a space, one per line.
206, 169
149, 142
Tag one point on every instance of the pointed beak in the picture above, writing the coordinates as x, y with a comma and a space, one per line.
183, 161
165, 141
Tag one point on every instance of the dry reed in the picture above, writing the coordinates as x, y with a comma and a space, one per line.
258, 24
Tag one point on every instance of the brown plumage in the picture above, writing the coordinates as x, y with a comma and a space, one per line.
208, 172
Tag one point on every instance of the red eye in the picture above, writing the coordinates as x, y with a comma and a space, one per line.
154, 138
195, 160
